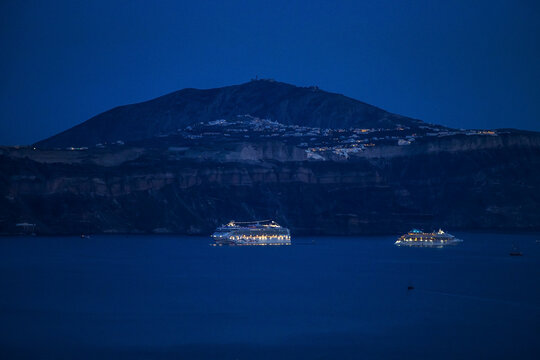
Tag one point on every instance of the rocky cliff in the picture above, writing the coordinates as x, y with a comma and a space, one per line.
456, 182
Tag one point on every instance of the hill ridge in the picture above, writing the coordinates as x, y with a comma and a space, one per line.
265, 98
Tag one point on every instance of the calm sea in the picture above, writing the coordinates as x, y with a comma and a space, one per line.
174, 297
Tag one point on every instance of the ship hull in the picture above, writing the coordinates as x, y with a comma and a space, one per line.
251, 243
427, 243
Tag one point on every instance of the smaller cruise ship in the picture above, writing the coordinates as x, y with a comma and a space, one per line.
416, 237
262, 232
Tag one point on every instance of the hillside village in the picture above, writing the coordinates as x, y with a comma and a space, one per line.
317, 141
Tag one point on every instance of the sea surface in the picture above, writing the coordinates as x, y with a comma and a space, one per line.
175, 297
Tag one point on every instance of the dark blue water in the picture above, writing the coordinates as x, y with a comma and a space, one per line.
170, 297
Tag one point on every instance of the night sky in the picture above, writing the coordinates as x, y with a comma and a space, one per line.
464, 64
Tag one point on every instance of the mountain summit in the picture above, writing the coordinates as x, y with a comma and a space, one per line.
269, 99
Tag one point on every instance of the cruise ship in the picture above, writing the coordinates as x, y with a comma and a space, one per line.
263, 232
419, 238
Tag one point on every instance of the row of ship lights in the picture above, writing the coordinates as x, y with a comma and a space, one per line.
430, 239
260, 237
416, 239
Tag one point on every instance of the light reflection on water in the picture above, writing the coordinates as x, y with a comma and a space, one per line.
173, 296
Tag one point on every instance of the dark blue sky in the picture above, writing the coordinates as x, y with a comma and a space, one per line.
470, 64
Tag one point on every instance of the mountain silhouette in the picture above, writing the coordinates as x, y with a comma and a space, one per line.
269, 99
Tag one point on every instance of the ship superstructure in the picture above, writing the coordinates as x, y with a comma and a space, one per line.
263, 232
417, 237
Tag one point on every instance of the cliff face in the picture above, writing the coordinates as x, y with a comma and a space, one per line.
468, 182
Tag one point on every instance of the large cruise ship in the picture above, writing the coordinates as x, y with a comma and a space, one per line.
419, 238
264, 232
